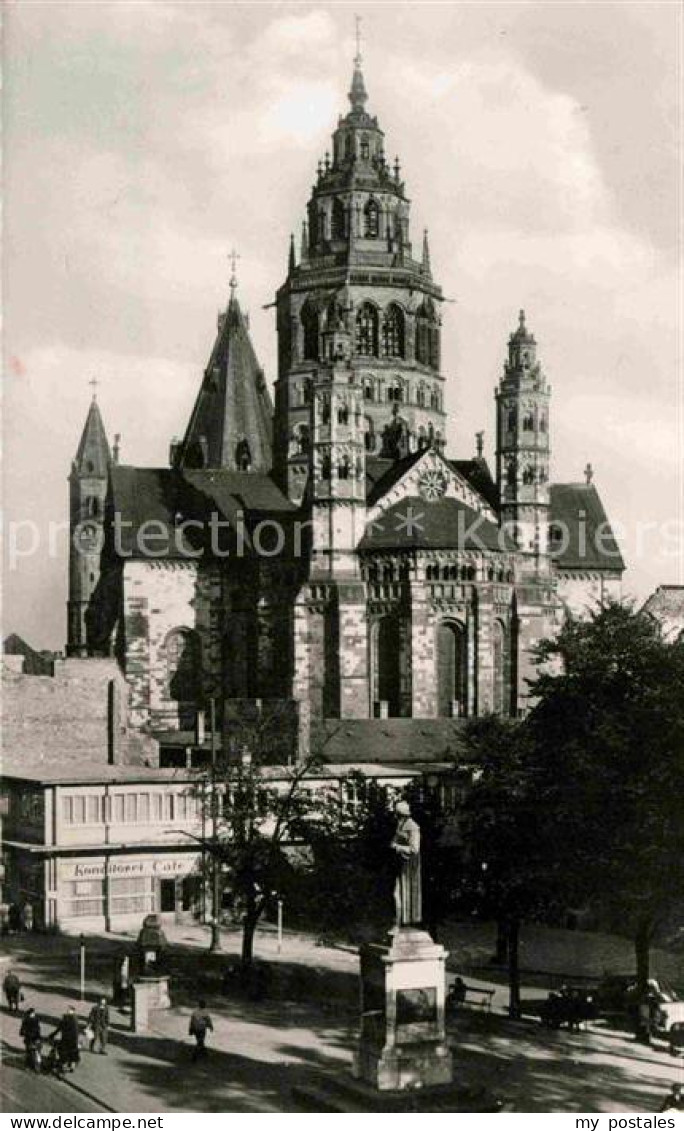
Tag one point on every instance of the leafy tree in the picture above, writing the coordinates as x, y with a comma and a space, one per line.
505, 872
349, 832
255, 809
608, 737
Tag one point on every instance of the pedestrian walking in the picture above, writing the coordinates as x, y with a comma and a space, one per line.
12, 990
32, 1038
98, 1022
200, 1024
674, 1101
676, 1038
68, 1034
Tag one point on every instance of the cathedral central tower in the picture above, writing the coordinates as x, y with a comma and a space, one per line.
357, 269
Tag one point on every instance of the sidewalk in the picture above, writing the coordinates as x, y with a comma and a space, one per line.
259, 1050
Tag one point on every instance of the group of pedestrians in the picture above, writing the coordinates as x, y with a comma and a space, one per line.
65, 1040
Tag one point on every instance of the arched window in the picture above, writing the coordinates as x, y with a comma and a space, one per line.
512, 422
371, 220
451, 670
348, 145
369, 438
243, 455
368, 391
427, 335
339, 220
342, 414
395, 392
393, 332
500, 700
302, 438
184, 672
542, 423
365, 149
420, 396
528, 422
310, 323
528, 476
367, 330
387, 663
344, 467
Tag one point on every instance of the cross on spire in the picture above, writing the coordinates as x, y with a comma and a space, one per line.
358, 59
94, 383
588, 473
233, 257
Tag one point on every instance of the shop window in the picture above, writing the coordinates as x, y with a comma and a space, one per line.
93, 810
353, 796
74, 810
131, 809
169, 806
130, 895
157, 806
143, 807
118, 808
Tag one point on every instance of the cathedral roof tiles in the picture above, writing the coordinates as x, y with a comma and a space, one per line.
447, 523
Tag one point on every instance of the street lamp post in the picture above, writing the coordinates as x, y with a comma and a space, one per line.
215, 871
82, 963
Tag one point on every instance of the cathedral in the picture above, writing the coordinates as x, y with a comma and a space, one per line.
323, 551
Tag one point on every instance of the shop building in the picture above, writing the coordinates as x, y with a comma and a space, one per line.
96, 849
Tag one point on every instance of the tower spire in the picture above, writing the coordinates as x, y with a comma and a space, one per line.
292, 259
426, 253
233, 257
358, 95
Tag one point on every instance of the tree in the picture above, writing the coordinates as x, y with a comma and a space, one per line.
505, 868
255, 808
352, 872
608, 732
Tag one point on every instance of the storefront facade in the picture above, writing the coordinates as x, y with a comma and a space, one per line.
99, 855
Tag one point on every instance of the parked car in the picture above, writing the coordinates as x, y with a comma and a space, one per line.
619, 993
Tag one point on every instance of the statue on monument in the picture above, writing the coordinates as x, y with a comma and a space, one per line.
407, 887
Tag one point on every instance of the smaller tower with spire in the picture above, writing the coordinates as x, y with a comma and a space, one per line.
231, 422
87, 494
522, 449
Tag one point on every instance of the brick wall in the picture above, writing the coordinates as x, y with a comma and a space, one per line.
78, 715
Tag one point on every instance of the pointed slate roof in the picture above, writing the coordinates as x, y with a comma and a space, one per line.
232, 421
586, 540
93, 456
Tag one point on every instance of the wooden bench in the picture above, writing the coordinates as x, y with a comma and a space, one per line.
479, 997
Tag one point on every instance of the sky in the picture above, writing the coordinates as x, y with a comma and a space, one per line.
539, 143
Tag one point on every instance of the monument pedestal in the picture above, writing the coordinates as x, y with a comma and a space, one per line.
149, 992
403, 1043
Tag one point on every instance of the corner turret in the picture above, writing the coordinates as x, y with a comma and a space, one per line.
88, 484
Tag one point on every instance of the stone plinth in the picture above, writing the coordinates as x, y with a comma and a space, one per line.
150, 992
403, 1043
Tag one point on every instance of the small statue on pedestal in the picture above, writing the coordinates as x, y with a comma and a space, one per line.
408, 903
